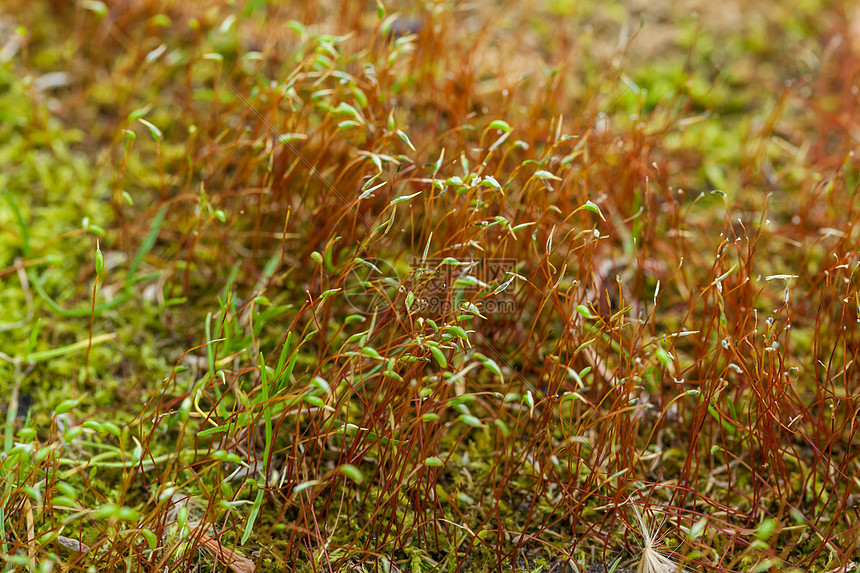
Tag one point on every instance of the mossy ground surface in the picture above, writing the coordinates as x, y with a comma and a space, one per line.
430, 286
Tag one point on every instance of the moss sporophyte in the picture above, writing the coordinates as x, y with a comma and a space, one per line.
557, 286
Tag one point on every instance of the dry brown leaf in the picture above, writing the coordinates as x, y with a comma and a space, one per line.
233, 560
72, 544
31, 534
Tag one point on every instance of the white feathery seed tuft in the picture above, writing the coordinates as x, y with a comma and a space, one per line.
652, 560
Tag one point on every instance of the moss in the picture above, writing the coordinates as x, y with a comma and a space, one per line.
524, 468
